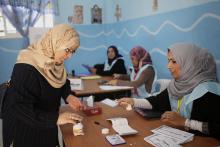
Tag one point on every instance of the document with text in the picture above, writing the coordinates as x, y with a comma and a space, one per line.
109, 102
168, 136
120, 125
159, 140
109, 87
76, 84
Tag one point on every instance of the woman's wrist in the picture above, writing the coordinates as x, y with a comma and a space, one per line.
69, 97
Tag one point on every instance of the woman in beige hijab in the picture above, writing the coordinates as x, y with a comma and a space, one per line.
38, 81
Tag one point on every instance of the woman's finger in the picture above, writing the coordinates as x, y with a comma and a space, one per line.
165, 115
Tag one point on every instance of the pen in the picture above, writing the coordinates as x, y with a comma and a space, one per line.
98, 123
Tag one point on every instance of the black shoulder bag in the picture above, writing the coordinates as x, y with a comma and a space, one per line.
3, 90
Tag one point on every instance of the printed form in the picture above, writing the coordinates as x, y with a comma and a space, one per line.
120, 125
168, 136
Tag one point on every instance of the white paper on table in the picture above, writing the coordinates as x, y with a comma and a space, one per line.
120, 125
90, 101
178, 135
109, 102
161, 140
76, 84
109, 87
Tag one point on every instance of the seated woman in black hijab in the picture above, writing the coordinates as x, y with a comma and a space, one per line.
113, 65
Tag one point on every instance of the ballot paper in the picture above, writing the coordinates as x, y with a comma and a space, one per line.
89, 101
109, 102
168, 136
120, 125
76, 84
179, 135
109, 87
91, 77
161, 140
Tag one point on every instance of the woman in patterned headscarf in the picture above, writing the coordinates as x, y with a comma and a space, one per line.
193, 96
38, 81
142, 74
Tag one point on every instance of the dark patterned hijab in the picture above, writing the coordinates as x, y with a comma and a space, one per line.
197, 66
141, 55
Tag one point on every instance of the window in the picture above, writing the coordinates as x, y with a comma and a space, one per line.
45, 21
2, 30
5, 26
8, 31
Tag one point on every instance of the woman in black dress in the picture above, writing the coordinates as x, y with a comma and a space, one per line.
38, 81
113, 65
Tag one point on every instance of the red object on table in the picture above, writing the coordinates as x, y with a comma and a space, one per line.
93, 111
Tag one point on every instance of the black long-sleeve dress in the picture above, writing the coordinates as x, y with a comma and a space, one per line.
205, 109
31, 109
117, 68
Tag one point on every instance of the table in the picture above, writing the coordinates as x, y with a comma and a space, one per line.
94, 138
91, 87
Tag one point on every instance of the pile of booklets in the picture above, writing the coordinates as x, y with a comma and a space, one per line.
167, 136
121, 126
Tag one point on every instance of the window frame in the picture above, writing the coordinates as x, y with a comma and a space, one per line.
17, 34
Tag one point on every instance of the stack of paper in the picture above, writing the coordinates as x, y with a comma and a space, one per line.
76, 84
91, 77
167, 136
109, 87
120, 125
109, 102
89, 101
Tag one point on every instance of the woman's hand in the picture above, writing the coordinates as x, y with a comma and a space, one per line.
93, 70
68, 117
173, 118
112, 82
124, 102
116, 76
75, 103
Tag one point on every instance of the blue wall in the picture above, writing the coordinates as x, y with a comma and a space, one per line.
197, 23
130, 9
8, 53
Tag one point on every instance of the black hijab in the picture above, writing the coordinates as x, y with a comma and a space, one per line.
117, 55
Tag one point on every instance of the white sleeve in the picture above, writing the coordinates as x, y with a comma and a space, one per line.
142, 103
193, 124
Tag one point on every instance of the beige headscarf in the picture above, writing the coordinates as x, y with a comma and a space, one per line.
41, 53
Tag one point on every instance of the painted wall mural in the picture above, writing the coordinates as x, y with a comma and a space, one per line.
118, 13
155, 5
96, 14
77, 17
